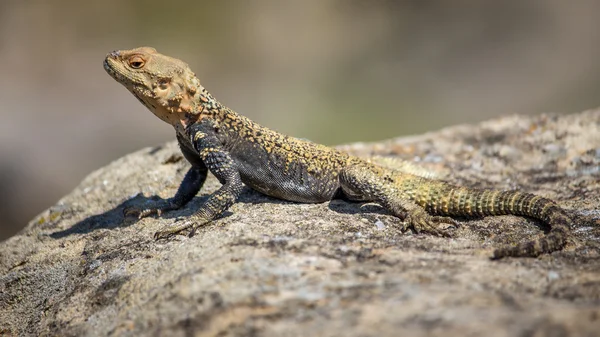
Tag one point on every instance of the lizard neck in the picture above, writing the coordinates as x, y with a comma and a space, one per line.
186, 105
202, 105
209, 107
191, 103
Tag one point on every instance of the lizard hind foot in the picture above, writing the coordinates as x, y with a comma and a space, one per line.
422, 222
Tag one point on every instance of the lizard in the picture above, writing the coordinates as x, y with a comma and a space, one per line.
238, 151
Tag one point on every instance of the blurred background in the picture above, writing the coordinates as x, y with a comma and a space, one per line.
333, 71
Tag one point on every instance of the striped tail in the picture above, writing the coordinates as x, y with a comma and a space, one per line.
445, 199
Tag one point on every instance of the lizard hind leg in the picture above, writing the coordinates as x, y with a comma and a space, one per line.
377, 184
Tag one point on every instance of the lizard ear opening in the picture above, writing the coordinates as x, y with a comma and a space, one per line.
136, 62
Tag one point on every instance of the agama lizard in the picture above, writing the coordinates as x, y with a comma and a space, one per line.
237, 150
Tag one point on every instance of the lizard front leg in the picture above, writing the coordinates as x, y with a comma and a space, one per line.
377, 184
222, 166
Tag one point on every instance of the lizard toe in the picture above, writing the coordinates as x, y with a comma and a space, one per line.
132, 212
423, 222
446, 220
173, 230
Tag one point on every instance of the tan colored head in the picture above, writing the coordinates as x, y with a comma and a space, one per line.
165, 85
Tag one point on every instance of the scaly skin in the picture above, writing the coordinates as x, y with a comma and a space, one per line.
236, 149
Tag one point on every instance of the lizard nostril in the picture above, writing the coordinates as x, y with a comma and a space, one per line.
114, 54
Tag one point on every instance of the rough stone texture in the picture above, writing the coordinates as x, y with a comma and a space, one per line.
275, 268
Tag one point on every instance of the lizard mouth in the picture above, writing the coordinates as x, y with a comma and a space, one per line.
110, 70
109, 66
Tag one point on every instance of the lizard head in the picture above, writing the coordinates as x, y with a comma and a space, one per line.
165, 85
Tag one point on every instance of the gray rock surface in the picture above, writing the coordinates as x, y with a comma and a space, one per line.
275, 268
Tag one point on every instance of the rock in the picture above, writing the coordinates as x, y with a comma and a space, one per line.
276, 268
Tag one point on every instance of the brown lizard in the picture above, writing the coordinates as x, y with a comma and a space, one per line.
237, 150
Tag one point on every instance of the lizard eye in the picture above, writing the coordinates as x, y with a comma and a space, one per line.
136, 62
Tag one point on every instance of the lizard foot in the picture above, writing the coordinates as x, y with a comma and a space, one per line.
173, 230
420, 221
157, 209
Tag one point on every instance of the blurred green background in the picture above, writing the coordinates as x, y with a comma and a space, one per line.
333, 71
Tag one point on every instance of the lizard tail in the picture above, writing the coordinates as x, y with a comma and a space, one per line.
545, 210
460, 201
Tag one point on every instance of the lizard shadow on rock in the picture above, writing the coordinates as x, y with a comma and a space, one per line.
339, 204
115, 218
345, 206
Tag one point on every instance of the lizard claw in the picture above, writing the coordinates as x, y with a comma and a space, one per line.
423, 222
132, 212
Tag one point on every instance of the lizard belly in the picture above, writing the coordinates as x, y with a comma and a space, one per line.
288, 181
